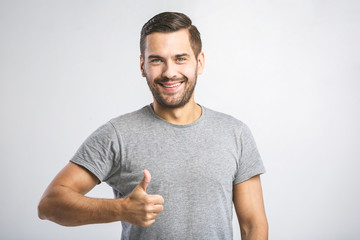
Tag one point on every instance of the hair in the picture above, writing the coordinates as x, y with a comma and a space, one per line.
168, 22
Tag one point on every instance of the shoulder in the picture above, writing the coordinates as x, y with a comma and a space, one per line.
133, 121
222, 119
133, 117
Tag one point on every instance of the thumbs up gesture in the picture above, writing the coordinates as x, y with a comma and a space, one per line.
141, 208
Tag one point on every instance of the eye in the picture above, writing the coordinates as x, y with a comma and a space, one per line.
155, 60
180, 59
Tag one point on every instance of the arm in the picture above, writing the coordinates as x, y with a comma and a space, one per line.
249, 206
64, 201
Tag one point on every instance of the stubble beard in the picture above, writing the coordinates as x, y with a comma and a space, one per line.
167, 101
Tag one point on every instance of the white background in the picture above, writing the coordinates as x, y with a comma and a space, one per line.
289, 69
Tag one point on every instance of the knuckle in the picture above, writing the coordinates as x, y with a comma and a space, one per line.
147, 209
148, 223
147, 200
147, 217
160, 199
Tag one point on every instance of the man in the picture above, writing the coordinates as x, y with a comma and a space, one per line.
201, 161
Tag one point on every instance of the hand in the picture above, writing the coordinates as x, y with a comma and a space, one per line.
141, 208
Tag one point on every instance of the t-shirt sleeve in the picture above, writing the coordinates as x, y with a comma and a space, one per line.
250, 163
100, 153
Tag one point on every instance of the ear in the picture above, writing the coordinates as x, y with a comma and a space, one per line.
201, 63
142, 66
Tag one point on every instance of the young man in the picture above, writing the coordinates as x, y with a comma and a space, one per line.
201, 161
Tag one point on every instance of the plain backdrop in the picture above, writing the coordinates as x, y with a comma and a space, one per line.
289, 69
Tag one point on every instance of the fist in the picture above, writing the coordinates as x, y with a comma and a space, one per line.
142, 209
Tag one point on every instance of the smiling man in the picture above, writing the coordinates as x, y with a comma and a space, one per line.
171, 68
201, 162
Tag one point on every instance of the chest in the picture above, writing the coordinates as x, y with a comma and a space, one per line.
179, 160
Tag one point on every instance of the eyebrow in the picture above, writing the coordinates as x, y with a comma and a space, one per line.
154, 56
182, 55
176, 56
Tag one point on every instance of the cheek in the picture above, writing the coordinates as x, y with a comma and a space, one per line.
153, 72
189, 72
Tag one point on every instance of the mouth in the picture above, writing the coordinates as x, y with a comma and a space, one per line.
171, 87
167, 85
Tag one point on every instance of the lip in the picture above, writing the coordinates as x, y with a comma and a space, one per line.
171, 86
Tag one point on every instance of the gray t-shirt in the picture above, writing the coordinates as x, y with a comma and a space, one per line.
194, 168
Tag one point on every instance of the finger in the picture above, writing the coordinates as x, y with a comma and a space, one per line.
153, 208
157, 209
146, 180
156, 199
148, 223
151, 216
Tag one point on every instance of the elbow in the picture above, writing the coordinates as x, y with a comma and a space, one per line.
41, 209
255, 230
48, 210
51, 207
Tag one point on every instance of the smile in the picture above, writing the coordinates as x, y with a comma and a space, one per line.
171, 86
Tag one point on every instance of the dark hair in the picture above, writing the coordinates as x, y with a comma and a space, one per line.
167, 22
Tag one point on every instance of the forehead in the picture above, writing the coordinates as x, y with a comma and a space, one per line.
172, 43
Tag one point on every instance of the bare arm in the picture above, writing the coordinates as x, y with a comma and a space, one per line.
65, 203
249, 206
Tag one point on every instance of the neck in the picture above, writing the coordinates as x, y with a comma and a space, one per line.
187, 114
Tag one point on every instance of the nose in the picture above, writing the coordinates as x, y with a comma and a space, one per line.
170, 70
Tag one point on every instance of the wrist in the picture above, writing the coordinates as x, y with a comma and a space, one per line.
120, 209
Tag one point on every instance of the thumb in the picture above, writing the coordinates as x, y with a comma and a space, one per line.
145, 181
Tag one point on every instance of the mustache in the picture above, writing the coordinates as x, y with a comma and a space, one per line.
166, 79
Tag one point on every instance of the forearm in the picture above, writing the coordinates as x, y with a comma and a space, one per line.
69, 208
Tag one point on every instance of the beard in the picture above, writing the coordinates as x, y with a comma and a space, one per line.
170, 100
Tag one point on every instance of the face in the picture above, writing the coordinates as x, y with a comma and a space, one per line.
171, 68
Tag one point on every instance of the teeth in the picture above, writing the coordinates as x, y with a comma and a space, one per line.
173, 85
